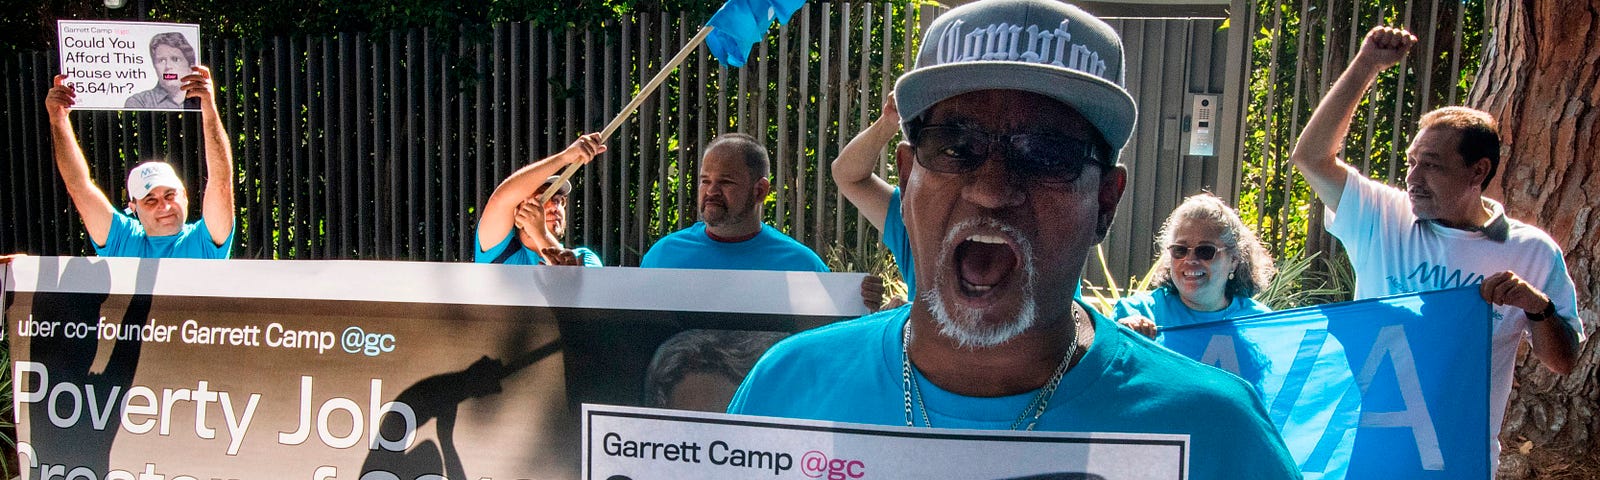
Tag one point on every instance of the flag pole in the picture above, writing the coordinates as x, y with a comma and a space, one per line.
633, 105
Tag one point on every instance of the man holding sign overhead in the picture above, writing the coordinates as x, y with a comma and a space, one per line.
157, 198
1013, 117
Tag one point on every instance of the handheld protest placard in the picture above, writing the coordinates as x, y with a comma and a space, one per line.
128, 65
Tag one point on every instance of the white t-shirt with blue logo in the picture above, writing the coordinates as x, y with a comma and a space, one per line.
1394, 253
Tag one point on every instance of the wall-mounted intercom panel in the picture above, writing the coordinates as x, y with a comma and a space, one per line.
1203, 125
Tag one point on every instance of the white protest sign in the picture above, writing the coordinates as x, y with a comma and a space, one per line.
626, 443
128, 65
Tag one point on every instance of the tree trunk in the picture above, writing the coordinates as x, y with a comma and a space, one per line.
1541, 79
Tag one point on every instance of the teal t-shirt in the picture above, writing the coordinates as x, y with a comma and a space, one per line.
525, 256
768, 250
851, 372
127, 238
1166, 308
894, 238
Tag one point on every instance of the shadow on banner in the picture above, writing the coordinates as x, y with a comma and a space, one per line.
335, 370
1368, 389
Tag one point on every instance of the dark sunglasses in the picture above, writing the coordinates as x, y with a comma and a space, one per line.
1048, 158
1203, 252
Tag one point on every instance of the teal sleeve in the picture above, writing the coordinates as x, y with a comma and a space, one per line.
122, 229
588, 257
202, 246
1134, 305
894, 238
488, 256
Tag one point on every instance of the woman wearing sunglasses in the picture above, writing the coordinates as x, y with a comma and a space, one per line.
1210, 266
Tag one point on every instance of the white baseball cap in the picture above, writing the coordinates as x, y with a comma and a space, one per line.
566, 186
149, 175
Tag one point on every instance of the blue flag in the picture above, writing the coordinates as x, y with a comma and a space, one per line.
740, 24
1395, 387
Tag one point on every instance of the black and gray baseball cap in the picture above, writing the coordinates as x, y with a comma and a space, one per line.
1040, 46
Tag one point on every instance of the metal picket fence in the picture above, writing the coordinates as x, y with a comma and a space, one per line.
355, 146
359, 146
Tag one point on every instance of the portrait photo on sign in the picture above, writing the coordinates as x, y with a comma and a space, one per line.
129, 65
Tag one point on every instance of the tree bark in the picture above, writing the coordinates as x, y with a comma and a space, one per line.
1540, 79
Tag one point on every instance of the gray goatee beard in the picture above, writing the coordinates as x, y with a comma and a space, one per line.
965, 325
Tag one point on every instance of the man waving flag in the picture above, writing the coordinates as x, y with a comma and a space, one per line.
737, 26
740, 24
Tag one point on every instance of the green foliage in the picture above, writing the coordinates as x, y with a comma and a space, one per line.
8, 430
878, 261
1298, 284
842, 96
1104, 297
34, 28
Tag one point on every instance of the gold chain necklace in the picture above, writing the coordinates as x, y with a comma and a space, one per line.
1040, 402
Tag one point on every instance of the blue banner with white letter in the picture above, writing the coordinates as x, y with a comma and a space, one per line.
1394, 387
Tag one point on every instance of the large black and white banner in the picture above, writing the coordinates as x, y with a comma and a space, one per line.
128, 368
